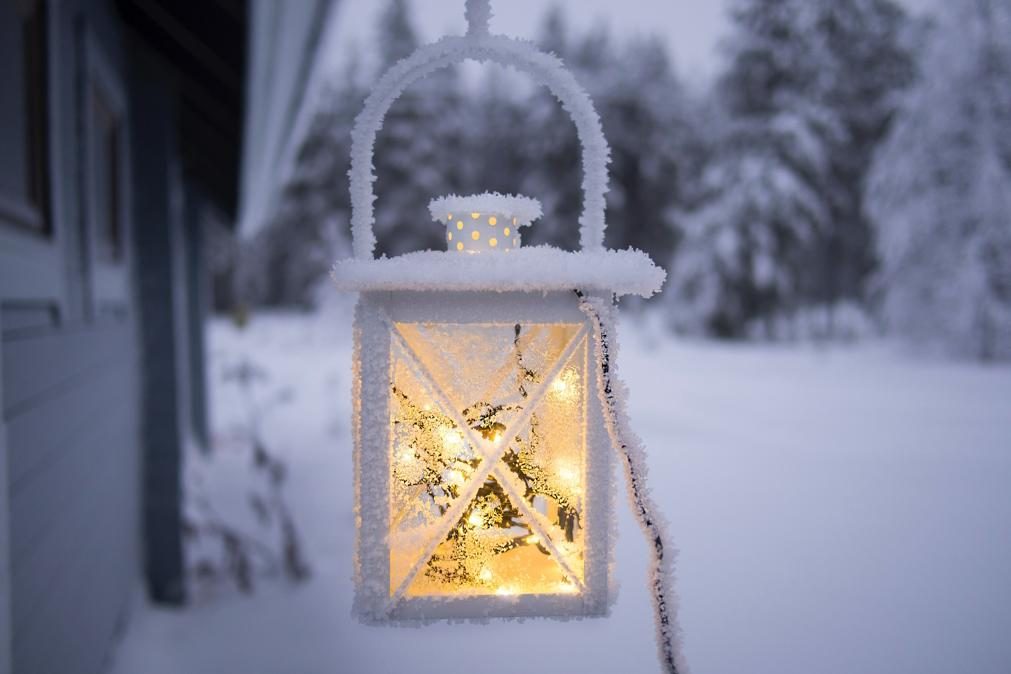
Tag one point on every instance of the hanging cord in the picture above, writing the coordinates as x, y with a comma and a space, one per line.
633, 452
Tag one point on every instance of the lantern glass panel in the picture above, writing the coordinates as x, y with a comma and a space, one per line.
487, 458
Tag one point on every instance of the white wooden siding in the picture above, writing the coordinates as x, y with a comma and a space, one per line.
70, 412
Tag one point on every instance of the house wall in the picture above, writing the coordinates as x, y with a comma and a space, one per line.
81, 466
69, 370
71, 423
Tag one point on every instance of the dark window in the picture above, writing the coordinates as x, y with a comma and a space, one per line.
33, 35
107, 177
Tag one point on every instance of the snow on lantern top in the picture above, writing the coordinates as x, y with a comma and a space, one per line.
484, 222
540, 268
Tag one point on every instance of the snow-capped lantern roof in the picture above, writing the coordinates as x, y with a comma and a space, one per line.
502, 266
524, 209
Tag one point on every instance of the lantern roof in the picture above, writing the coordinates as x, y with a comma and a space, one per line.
524, 209
532, 269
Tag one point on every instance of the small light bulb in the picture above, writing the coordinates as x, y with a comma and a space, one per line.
475, 520
493, 242
533, 539
459, 245
569, 475
459, 224
484, 575
449, 236
475, 216
493, 221
451, 438
449, 217
505, 591
475, 235
506, 231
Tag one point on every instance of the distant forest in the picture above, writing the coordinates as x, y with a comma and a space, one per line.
848, 171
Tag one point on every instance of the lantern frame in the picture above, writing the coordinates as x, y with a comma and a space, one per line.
376, 317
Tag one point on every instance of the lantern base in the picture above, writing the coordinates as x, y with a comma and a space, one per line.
480, 609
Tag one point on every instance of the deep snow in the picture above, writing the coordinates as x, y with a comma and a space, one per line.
837, 510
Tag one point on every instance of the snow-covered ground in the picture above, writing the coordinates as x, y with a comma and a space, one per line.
837, 510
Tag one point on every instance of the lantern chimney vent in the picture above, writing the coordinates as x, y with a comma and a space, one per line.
484, 222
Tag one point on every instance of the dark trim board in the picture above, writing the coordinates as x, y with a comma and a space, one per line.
6, 617
156, 167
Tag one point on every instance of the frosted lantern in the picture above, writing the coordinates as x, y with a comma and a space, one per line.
478, 448
482, 446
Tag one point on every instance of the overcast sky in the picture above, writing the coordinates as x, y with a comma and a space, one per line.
693, 27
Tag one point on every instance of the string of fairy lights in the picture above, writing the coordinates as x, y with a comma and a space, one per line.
433, 462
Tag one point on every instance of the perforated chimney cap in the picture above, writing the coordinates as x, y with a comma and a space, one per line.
524, 209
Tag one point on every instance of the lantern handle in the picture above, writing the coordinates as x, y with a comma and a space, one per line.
477, 45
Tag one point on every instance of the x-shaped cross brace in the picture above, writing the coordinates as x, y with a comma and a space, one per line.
491, 454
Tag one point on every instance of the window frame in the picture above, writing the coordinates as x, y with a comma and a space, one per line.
31, 253
35, 53
109, 275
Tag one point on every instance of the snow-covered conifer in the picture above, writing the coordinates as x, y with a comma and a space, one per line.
940, 192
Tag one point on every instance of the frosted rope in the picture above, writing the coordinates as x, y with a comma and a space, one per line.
546, 69
478, 14
612, 394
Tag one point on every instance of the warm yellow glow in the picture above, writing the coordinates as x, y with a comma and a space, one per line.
475, 235
514, 221
452, 440
449, 235
565, 387
492, 221
568, 475
459, 245
475, 216
521, 527
493, 242
459, 224
449, 217
506, 231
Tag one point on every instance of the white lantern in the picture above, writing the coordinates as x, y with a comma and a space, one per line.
484, 416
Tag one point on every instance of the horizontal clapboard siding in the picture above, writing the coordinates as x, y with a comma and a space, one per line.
71, 412
41, 366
